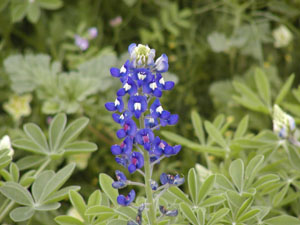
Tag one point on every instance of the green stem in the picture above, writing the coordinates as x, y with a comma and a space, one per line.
9, 204
149, 194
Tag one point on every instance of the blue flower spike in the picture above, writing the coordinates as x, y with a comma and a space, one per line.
139, 112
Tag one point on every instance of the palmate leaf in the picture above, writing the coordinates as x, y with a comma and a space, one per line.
55, 181
61, 139
17, 193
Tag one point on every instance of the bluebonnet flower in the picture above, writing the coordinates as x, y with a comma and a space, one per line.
152, 88
114, 106
170, 179
142, 76
171, 120
137, 105
161, 147
129, 87
161, 64
283, 124
166, 212
157, 110
151, 122
154, 185
126, 200
145, 137
161, 83
129, 129
137, 162
122, 72
131, 161
122, 180
141, 55
122, 118
142, 81
124, 148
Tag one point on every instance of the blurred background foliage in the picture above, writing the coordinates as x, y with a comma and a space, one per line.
210, 43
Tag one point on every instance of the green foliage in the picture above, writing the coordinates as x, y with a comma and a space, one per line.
60, 141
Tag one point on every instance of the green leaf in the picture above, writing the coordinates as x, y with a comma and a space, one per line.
39, 184
33, 12
263, 86
68, 220
265, 180
78, 203
224, 183
18, 10
61, 194
193, 184
249, 98
277, 199
14, 171
21, 213
294, 157
245, 206
79, 147
50, 4
126, 212
30, 146
57, 181
206, 188
95, 198
217, 216
179, 139
73, 130
177, 193
97, 210
106, 185
252, 168
56, 130
6, 175
48, 207
17, 193
215, 134
117, 222
242, 127
236, 171
188, 213
30, 161
197, 124
280, 220
249, 215
212, 201
36, 135
201, 216
285, 89
27, 179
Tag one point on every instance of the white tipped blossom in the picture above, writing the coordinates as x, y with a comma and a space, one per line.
5, 143
282, 36
283, 124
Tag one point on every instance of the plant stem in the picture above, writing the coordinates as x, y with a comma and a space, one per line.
8, 205
149, 194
